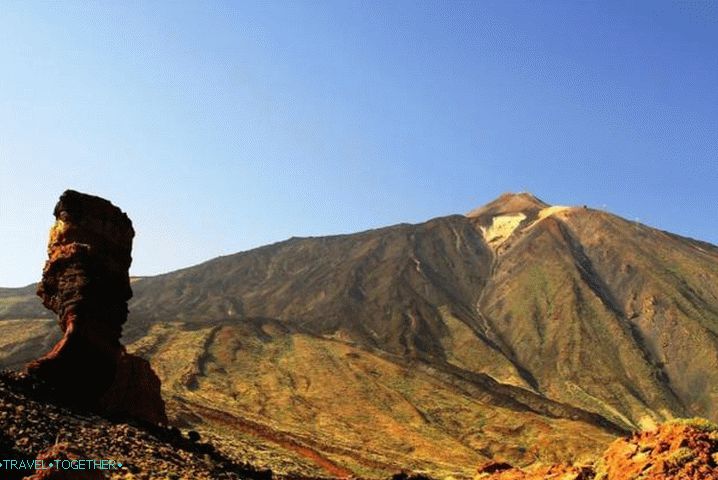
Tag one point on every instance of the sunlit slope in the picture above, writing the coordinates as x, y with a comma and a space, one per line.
362, 410
22, 303
26, 326
378, 288
609, 315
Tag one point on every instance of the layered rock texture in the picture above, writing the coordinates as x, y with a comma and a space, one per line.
86, 283
520, 332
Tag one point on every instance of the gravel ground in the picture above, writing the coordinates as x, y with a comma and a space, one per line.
31, 422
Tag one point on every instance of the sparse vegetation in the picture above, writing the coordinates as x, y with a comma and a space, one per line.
696, 422
680, 457
601, 470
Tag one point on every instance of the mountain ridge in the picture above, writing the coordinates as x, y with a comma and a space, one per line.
473, 213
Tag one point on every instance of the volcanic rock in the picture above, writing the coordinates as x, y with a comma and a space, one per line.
680, 449
684, 449
86, 283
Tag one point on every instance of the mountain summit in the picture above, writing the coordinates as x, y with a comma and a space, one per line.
510, 203
520, 332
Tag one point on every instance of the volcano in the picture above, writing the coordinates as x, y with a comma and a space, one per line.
520, 332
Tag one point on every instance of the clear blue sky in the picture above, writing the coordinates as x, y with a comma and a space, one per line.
221, 126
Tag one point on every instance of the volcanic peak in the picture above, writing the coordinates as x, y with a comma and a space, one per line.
510, 203
510, 213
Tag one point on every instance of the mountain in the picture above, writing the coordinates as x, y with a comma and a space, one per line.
519, 332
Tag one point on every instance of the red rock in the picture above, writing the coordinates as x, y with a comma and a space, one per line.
681, 449
684, 449
86, 282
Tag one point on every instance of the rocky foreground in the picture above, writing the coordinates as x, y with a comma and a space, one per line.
685, 449
33, 426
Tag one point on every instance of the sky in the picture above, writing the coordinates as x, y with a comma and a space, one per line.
222, 126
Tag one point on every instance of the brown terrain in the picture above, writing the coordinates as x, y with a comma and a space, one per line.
520, 333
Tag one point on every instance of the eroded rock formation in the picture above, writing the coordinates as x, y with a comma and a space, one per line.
86, 283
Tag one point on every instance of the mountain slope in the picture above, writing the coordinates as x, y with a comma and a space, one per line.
520, 331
